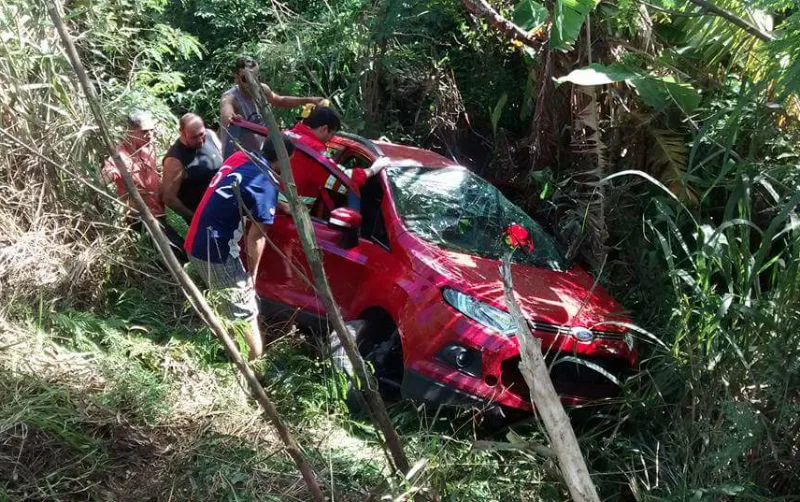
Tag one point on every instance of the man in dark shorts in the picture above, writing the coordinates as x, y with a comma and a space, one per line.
189, 165
241, 189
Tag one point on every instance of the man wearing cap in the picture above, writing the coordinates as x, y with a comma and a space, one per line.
238, 104
138, 153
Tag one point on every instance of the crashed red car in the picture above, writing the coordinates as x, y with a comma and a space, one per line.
414, 265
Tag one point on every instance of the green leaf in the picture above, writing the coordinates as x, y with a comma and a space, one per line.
568, 17
598, 74
657, 92
661, 92
530, 15
498, 110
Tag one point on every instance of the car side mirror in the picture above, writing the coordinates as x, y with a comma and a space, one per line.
348, 221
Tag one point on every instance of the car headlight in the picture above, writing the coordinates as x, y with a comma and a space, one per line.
478, 311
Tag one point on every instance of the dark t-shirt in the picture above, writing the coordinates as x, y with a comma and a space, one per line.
200, 165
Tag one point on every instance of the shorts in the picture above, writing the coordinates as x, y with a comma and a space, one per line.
232, 287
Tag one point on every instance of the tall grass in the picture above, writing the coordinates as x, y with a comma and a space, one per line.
715, 413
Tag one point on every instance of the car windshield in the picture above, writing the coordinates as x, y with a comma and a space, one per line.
457, 210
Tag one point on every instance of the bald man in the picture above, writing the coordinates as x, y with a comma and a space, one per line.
189, 165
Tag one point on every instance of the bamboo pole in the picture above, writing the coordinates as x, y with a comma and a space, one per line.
305, 231
187, 285
546, 401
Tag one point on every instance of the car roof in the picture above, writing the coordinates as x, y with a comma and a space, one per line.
425, 157
395, 151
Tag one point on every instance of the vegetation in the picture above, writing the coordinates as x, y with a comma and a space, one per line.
658, 142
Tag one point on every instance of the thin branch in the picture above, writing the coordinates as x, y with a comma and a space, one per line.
545, 399
55, 164
710, 8
305, 232
480, 8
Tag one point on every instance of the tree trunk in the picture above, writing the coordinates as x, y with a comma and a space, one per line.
187, 285
546, 401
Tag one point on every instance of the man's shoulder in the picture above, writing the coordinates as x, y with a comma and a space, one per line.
236, 159
175, 150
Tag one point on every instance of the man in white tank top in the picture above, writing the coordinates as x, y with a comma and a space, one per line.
238, 104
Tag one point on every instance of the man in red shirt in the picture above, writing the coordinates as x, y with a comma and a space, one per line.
138, 153
312, 179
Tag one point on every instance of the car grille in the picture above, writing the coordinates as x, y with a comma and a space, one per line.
559, 330
569, 376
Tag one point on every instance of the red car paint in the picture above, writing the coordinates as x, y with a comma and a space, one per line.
405, 281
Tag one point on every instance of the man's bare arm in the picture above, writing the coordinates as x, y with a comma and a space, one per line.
170, 184
279, 101
227, 110
256, 241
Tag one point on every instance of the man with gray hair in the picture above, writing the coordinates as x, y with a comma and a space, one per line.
138, 153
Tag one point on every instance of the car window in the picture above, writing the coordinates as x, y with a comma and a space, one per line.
351, 160
335, 151
457, 210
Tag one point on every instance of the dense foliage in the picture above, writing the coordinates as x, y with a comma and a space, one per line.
657, 141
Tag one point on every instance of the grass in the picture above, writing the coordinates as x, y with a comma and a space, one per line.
139, 406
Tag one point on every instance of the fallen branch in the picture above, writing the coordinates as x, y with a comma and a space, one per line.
482, 9
733, 19
187, 285
546, 401
305, 231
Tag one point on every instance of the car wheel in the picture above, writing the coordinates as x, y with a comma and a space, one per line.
382, 353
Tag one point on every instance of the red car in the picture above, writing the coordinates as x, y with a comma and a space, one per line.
416, 271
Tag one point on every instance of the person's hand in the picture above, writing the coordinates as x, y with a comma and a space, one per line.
382, 163
236, 116
322, 101
379, 165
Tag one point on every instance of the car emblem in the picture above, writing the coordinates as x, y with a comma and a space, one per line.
582, 335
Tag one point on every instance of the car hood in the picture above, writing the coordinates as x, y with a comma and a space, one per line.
568, 298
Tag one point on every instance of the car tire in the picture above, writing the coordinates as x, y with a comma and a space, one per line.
374, 355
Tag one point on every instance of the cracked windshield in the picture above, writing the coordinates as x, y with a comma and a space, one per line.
457, 210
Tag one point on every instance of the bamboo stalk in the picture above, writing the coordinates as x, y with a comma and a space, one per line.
187, 285
305, 231
546, 401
